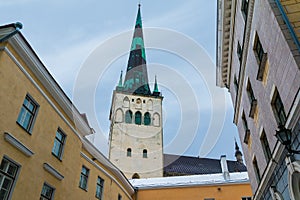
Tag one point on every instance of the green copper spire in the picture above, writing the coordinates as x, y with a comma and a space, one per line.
136, 78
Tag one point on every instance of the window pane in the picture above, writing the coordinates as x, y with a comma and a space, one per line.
27, 112
56, 148
6, 183
147, 119
4, 165
12, 169
59, 136
47, 192
128, 116
138, 118
3, 194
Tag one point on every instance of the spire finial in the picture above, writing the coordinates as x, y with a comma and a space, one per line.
238, 153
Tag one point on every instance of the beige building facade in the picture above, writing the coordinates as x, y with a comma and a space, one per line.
43, 150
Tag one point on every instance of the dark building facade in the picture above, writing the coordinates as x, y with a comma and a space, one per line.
258, 57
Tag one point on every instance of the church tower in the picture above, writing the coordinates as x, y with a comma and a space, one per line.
136, 140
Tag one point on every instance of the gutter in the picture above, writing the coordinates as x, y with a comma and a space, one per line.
288, 24
18, 26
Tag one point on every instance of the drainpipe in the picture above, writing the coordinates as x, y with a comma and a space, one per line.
18, 26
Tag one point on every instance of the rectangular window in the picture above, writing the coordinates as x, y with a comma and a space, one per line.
8, 173
261, 57
47, 192
258, 50
278, 109
28, 113
256, 169
84, 178
239, 52
59, 142
236, 84
119, 197
244, 8
99, 187
246, 198
247, 131
253, 101
265, 146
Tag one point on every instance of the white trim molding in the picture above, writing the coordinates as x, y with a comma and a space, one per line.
53, 171
225, 29
17, 144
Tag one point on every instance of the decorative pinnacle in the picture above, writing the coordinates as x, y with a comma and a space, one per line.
121, 79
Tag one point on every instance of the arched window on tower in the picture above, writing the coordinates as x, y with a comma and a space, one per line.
145, 153
147, 119
138, 118
135, 176
128, 117
129, 152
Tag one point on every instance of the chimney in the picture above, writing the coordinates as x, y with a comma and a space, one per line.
224, 167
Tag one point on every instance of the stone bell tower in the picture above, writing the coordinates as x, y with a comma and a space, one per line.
136, 133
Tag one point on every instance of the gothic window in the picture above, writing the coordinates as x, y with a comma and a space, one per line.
129, 152
149, 105
128, 117
119, 115
135, 176
156, 119
138, 118
147, 119
126, 102
138, 103
145, 153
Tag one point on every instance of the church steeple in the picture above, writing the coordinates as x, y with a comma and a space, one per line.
238, 153
136, 78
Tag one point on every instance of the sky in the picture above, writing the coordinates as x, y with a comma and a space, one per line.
85, 45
